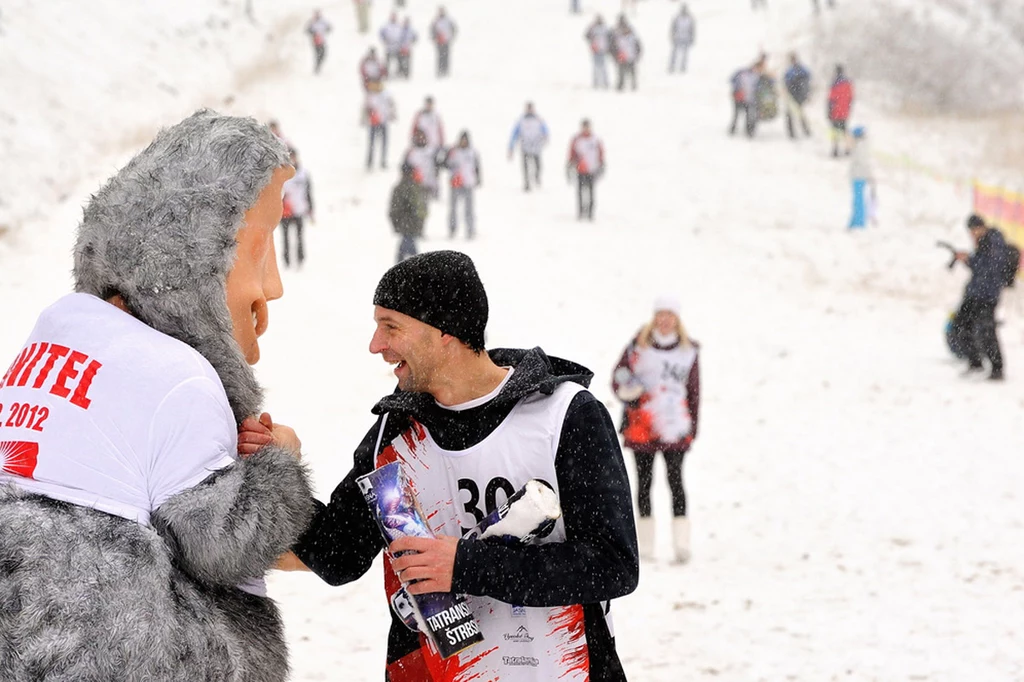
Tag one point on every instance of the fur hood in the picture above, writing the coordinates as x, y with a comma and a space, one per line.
161, 233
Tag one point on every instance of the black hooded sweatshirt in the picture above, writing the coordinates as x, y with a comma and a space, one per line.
598, 560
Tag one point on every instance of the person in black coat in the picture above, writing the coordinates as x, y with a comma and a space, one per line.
408, 212
975, 322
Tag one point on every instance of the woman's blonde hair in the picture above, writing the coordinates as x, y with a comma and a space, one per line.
643, 339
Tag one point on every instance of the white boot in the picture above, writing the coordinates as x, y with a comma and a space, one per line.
645, 537
681, 538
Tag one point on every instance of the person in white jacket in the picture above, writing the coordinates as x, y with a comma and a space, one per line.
296, 206
443, 31
627, 52
598, 37
658, 381
531, 132
378, 112
862, 178
318, 28
409, 38
391, 37
683, 34
463, 163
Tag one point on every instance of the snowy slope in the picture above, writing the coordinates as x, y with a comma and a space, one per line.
856, 505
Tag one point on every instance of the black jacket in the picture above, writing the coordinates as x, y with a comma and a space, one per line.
408, 208
598, 560
988, 264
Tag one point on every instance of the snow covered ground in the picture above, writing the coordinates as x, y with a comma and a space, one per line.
856, 505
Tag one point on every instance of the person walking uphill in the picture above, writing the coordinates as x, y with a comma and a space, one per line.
133, 539
627, 52
586, 159
408, 212
471, 427
378, 113
993, 266
598, 37
658, 379
531, 132
442, 32
318, 28
463, 162
683, 33
297, 205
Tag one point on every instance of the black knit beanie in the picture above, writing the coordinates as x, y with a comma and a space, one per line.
439, 288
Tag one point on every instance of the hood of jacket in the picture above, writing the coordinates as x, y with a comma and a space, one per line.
535, 372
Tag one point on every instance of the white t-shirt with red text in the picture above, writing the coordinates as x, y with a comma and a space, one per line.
102, 411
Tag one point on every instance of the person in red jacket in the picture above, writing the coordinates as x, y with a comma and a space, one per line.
840, 101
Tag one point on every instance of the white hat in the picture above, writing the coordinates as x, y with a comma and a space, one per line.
669, 303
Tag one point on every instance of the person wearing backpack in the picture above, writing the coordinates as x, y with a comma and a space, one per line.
798, 89
993, 265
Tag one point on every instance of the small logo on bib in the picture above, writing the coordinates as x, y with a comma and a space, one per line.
522, 635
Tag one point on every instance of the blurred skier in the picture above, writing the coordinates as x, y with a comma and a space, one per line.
798, 89
297, 205
463, 163
627, 52
840, 101
423, 159
763, 4
817, 5
574, 6
586, 159
599, 39
378, 112
683, 33
442, 32
363, 14
531, 132
409, 37
863, 178
993, 265
658, 380
391, 36
318, 28
408, 212
744, 96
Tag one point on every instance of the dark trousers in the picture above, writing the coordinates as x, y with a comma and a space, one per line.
975, 325
748, 110
527, 158
645, 476
286, 225
405, 64
442, 59
627, 70
406, 248
319, 52
585, 186
380, 131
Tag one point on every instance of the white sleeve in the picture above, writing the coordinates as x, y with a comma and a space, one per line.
192, 435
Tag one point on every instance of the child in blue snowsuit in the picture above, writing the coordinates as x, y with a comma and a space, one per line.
863, 179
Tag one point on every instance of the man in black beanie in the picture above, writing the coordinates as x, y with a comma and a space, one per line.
470, 428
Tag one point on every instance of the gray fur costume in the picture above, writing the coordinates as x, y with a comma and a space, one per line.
87, 596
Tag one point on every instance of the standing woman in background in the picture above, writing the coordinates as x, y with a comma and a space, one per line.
658, 379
